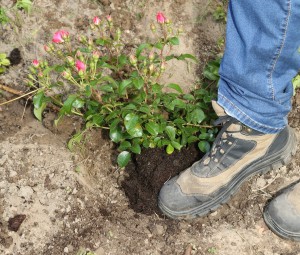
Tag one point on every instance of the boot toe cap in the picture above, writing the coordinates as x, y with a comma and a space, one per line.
173, 202
282, 217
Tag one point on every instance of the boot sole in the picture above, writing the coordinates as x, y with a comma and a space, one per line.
277, 229
262, 166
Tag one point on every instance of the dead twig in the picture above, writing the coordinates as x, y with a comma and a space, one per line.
22, 94
10, 90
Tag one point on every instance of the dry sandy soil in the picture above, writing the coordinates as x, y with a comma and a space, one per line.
55, 202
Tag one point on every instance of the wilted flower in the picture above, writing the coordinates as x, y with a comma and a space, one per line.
82, 38
151, 68
59, 36
96, 54
46, 48
108, 18
153, 27
132, 60
66, 74
80, 66
151, 56
70, 60
160, 17
35, 63
96, 20
163, 66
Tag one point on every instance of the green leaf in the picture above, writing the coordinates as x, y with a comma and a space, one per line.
205, 136
101, 41
38, 99
39, 111
188, 97
136, 148
158, 45
5, 62
174, 40
132, 125
171, 132
196, 116
175, 87
123, 158
129, 107
156, 88
192, 139
68, 104
123, 60
115, 134
123, 85
78, 103
138, 82
40, 103
152, 128
296, 83
85, 50
2, 55
170, 149
59, 68
76, 139
211, 76
114, 124
179, 103
185, 56
106, 88
141, 48
204, 146
98, 119
145, 109
124, 145
172, 56
176, 145
131, 120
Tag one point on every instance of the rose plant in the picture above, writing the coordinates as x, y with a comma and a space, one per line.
116, 86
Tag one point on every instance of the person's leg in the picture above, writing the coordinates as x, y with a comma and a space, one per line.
261, 58
255, 91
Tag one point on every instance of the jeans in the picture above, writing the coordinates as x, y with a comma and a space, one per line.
261, 58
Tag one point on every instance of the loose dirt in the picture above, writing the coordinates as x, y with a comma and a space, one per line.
54, 202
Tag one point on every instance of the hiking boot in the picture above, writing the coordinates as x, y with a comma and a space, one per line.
282, 214
237, 153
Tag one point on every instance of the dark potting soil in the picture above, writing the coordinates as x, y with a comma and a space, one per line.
150, 170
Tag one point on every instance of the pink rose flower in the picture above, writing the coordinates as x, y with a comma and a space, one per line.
96, 20
160, 17
35, 63
59, 36
80, 66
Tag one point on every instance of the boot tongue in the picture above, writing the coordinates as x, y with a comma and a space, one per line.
218, 109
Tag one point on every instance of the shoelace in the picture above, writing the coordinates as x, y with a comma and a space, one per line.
221, 138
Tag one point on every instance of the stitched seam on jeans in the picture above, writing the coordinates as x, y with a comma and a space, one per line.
278, 51
246, 116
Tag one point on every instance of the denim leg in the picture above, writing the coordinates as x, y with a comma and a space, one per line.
261, 58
